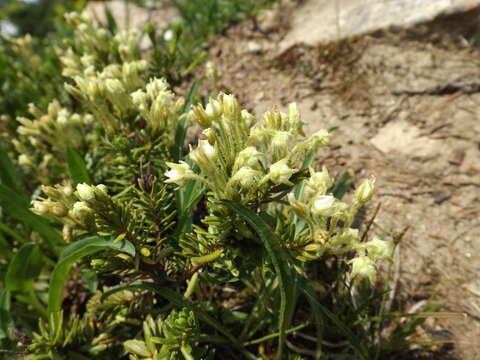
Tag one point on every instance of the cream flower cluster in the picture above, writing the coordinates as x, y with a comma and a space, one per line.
58, 127
112, 91
245, 162
74, 208
329, 221
238, 160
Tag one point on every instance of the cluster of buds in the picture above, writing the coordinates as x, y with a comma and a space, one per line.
239, 160
23, 48
58, 128
89, 37
128, 44
159, 108
330, 220
76, 209
99, 81
111, 88
92, 45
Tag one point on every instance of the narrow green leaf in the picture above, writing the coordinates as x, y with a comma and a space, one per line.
5, 248
8, 174
73, 253
24, 268
343, 184
309, 293
307, 162
187, 198
355, 342
180, 302
111, 22
191, 95
8, 194
271, 242
16, 207
7, 230
5, 318
182, 126
76, 167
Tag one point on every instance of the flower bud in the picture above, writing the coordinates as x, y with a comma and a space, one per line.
85, 192
210, 135
52, 192
280, 173
322, 137
365, 191
178, 173
319, 183
114, 86
101, 189
210, 70
67, 189
205, 156
324, 205
230, 104
250, 157
168, 35
300, 208
246, 176
247, 117
379, 249
58, 209
280, 141
39, 208
81, 209
363, 267
24, 160
293, 113
208, 150
213, 109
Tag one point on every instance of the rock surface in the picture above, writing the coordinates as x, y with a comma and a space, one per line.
320, 21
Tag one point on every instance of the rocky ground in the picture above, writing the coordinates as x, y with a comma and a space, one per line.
405, 106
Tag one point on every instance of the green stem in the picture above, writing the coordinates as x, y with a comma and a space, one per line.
277, 334
33, 301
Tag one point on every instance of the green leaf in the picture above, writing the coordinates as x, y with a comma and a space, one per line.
307, 162
7, 230
187, 198
279, 259
343, 184
111, 22
24, 268
73, 253
182, 126
8, 174
309, 293
355, 342
16, 207
179, 301
5, 318
9, 195
76, 167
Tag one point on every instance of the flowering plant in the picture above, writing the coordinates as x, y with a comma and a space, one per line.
150, 249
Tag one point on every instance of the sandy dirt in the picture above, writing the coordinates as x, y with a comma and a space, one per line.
406, 106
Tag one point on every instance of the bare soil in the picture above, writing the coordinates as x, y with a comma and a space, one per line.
406, 108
